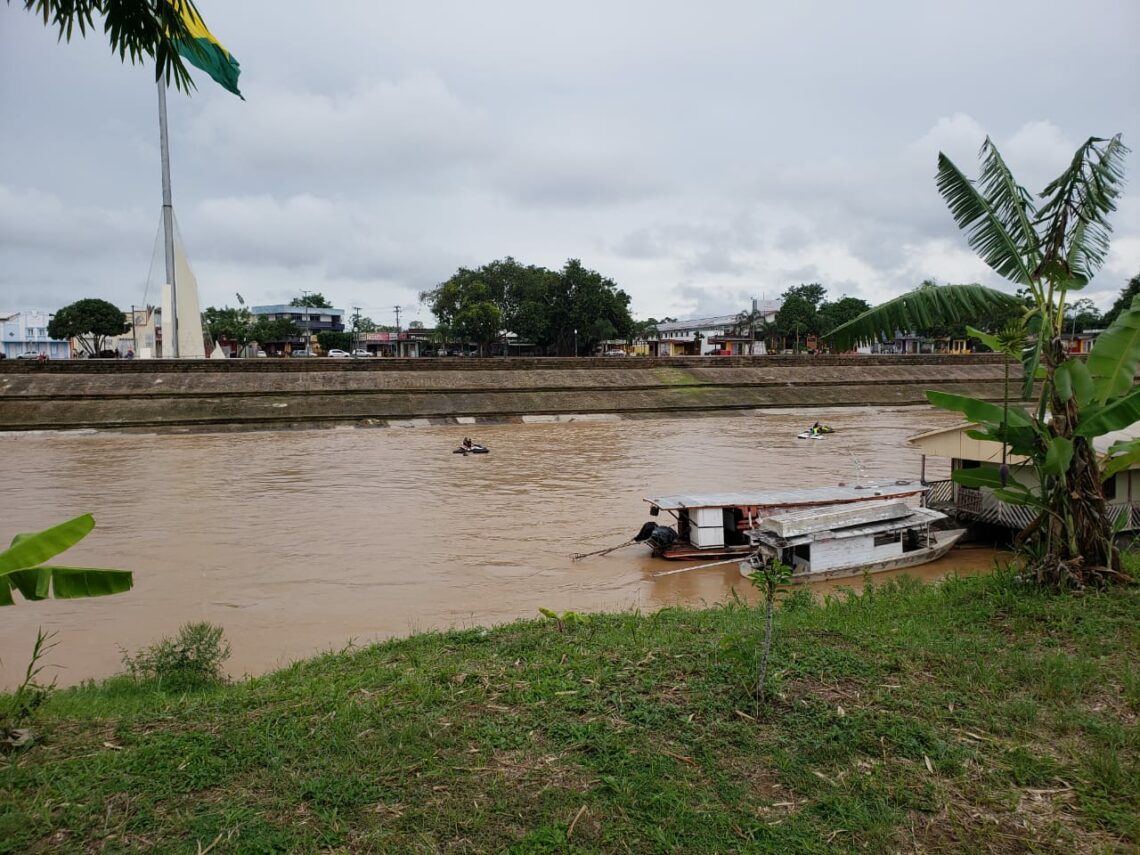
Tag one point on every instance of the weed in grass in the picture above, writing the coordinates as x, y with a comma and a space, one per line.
191, 660
19, 708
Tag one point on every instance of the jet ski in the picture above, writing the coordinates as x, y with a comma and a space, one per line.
817, 432
473, 448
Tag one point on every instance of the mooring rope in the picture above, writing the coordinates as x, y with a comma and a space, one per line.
736, 560
577, 556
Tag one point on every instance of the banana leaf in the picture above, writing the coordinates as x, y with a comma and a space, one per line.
1059, 456
21, 567
28, 550
1115, 415
1113, 358
38, 583
1073, 375
1120, 456
978, 478
980, 411
922, 308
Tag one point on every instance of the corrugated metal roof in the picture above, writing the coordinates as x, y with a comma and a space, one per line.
917, 517
809, 496
953, 442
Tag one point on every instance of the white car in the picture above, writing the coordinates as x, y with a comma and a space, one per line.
337, 353
361, 353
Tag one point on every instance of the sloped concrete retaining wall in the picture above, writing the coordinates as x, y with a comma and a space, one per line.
277, 392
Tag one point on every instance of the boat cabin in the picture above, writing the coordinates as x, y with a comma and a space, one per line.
844, 540
979, 504
716, 525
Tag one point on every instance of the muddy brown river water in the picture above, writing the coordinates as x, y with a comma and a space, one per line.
298, 542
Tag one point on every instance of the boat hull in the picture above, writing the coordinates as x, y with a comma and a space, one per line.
687, 552
944, 542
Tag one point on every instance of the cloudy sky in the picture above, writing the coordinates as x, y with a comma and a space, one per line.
699, 154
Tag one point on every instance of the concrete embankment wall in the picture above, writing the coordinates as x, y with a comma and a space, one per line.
150, 394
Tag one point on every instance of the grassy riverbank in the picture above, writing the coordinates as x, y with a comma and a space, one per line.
977, 716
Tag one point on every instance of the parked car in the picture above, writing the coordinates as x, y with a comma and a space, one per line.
614, 353
302, 353
337, 353
362, 353
29, 354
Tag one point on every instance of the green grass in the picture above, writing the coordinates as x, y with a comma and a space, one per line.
977, 716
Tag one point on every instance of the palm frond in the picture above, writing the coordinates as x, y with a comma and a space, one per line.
925, 307
997, 222
1074, 216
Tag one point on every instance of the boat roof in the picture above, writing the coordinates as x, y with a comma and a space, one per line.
802, 496
917, 517
829, 517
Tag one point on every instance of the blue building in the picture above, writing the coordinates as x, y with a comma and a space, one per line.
24, 332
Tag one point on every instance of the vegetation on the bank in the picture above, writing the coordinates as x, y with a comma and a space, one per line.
1050, 251
980, 715
193, 659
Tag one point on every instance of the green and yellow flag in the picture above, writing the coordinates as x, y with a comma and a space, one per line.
206, 52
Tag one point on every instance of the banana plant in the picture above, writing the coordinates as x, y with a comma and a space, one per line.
1050, 251
22, 566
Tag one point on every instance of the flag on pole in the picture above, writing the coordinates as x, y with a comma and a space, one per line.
206, 52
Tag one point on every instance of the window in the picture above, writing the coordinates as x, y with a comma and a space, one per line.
1110, 488
888, 538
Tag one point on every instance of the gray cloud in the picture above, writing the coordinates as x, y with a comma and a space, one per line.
697, 155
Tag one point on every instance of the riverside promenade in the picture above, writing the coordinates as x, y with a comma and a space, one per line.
280, 393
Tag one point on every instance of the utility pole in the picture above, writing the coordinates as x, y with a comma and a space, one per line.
134, 330
399, 349
355, 329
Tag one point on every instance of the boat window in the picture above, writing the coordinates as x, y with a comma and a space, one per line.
888, 538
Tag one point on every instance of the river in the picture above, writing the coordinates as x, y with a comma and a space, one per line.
298, 542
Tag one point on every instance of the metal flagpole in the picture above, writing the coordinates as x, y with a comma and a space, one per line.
171, 324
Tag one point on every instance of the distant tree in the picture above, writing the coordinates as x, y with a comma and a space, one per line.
365, 324
580, 299
229, 324
841, 311
534, 303
416, 325
329, 340
799, 311
1081, 315
1130, 292
315, 300
277, 330
90, 322
479, 321
643, 330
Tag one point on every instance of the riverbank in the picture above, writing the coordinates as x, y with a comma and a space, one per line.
977, 715
281, 393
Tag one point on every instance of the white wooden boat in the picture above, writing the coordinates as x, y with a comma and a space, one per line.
716, 525
837, 541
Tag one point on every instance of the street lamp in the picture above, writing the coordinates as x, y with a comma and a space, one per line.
575, 341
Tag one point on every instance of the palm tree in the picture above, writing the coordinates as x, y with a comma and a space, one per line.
753, 321
134, 28
1050, 251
